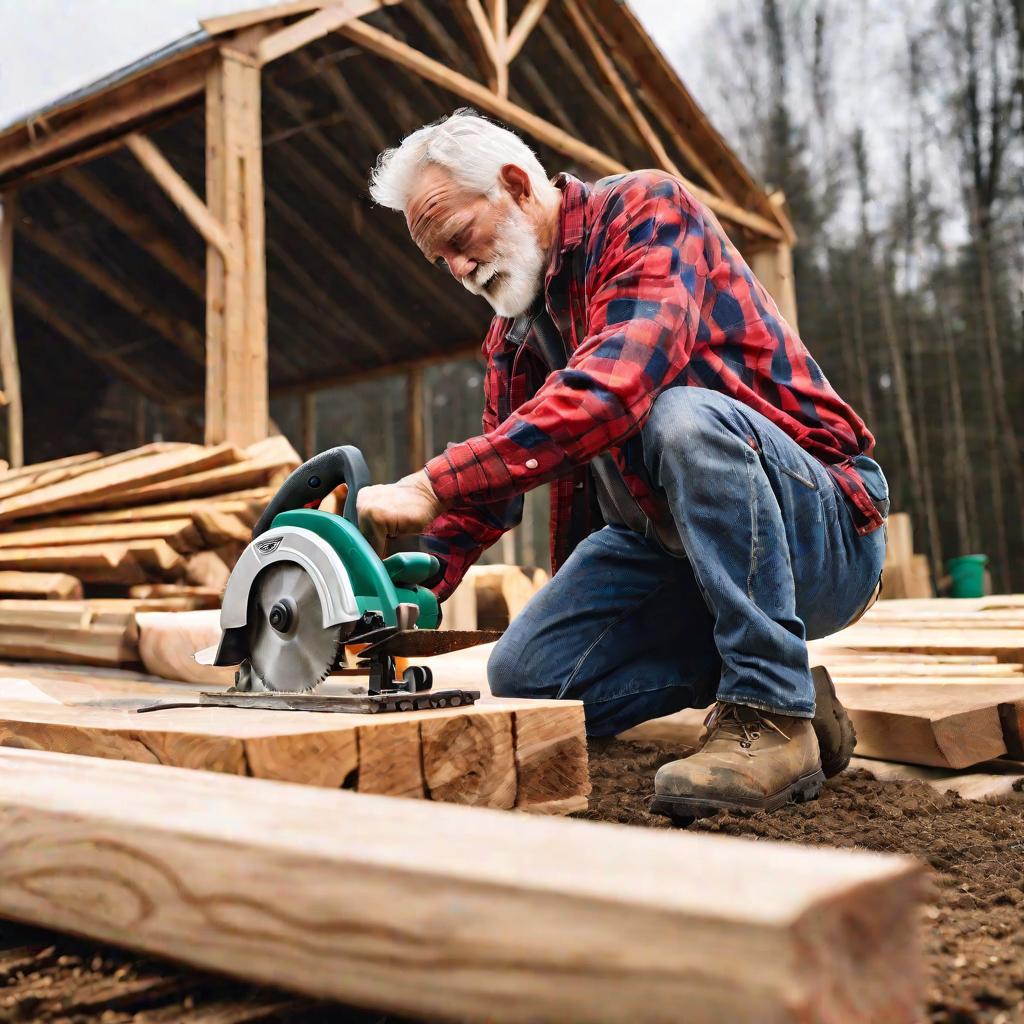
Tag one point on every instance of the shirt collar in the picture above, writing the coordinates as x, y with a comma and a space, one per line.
572, 215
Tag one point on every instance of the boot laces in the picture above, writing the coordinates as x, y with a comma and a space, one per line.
726, 720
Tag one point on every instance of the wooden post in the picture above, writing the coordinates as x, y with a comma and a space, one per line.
236, 301
773, 267
415, 409
9, 373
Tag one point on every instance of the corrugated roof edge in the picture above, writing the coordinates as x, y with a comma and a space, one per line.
173, 49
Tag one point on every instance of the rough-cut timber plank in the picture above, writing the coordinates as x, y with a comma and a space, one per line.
991, 780
391, 762
946, 725
466, 754
199, 597
249, 474
920, 670
45, 474
39, 584
502, 592
469, 759
1005, 644
168, 642
180, 534
240, 503
207, 569
96, 487
91, 563
531, 918
551, 759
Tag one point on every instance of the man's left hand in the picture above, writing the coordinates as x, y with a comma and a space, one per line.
390, 510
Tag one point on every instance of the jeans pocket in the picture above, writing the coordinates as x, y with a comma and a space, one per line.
873, 479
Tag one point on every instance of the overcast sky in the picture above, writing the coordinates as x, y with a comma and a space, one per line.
49, 48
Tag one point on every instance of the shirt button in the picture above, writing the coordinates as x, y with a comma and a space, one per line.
531, 463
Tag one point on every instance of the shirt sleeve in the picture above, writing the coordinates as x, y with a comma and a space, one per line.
645, 279
460, 536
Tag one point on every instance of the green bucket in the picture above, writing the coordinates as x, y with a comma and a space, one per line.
968, 574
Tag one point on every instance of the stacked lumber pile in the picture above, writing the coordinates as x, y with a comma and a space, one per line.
936, 684
906, 574
101, 537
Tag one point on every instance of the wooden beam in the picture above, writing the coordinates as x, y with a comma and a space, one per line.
178, 332
316, 26
236, 310
415, 413
225, 873
532, 13
773, 267
46, 313
480, 30
10, 374
98, 121
384, 45
628, 40
498, 10
945, 724
621, 90
179, 191
222, 24
138, 226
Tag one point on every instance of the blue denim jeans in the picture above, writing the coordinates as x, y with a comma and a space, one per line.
772, 559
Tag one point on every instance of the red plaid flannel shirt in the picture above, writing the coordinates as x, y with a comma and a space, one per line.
659, 297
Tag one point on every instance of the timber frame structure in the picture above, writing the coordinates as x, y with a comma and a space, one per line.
111, 201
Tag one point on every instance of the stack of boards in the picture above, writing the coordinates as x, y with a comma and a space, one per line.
935, 689
99, 538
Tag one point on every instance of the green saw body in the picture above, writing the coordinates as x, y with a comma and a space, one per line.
379, 586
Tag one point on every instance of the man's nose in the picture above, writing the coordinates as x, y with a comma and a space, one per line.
461, 266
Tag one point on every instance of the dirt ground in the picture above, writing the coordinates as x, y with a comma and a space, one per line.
974, 934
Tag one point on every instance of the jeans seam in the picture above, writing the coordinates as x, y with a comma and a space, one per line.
604, 632
748, 457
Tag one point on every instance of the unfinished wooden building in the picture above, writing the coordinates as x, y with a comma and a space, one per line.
189, 251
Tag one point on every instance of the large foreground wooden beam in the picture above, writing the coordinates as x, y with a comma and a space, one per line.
236, 302
455, 912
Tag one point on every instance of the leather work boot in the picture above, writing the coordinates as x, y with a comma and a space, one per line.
832, 725
750, 760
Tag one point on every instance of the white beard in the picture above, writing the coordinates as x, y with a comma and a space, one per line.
519, 261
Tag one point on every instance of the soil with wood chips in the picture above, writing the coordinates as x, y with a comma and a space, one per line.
974, 931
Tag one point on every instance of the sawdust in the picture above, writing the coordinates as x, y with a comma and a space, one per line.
973, 934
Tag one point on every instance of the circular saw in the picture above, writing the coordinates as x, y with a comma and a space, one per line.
308, 584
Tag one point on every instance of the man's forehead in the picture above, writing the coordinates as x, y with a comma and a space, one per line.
436, 198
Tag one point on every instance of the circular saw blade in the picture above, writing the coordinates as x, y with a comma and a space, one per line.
298, 657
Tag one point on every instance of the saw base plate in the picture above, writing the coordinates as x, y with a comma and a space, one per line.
352, 704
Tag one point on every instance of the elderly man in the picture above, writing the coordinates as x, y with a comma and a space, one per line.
713, 502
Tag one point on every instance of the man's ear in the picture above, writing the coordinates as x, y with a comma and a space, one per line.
516, 183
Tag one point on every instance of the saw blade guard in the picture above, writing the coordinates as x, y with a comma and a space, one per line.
313, 555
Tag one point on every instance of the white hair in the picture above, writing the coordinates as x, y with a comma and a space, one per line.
471, 148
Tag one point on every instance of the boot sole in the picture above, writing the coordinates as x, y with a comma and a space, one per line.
684, 809
836, 734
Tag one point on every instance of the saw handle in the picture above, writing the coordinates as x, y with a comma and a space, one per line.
314, 480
